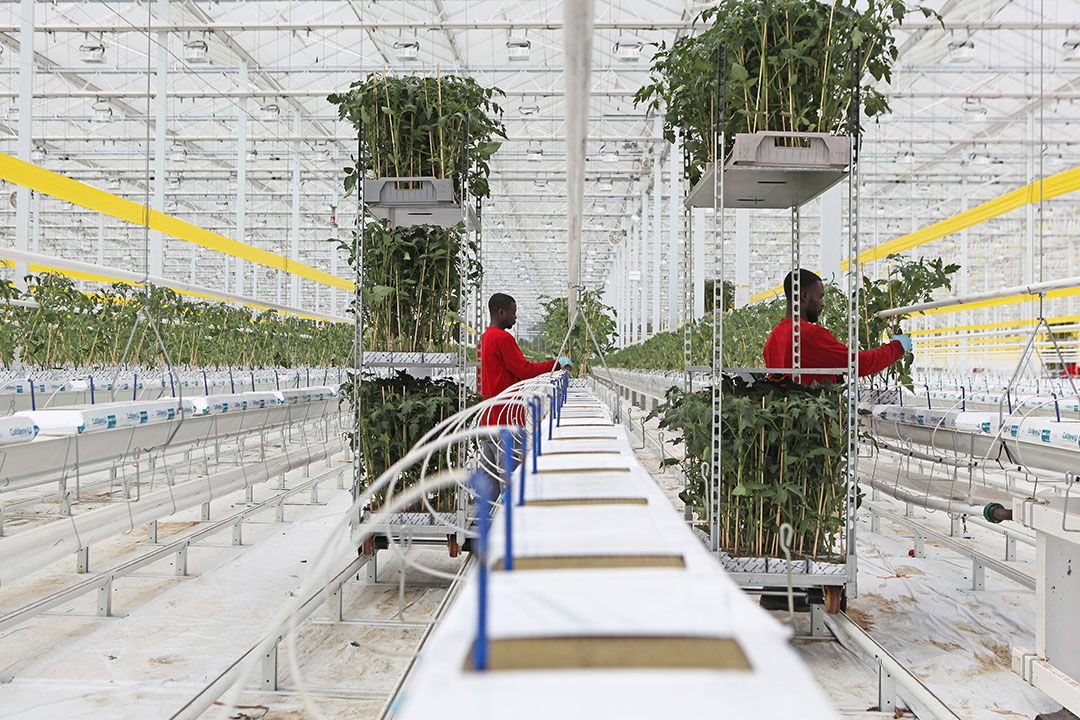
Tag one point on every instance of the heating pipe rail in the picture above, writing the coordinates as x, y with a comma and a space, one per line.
32, 550
1033, 289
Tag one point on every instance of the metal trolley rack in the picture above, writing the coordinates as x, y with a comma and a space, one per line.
418, 201
781, 171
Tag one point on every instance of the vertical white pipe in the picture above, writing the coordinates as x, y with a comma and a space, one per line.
831, 234
964, 281
699, 262
35, 224
577, 60
24, 144
633, 285
241, 175
657, 241
161, 112
294, 247
742, 257
675, 272
624, 284
644, 235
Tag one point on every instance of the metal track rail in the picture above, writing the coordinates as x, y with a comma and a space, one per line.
980, 561
103, 581
895, 682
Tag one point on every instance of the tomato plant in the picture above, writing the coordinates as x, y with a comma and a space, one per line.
579, 346
68, 327
783, 460
787, 66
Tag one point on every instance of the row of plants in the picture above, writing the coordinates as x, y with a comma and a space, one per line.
785, 65
783, 453
414, 277
65, 326
579, 346
906, 282
783, 458
412, 280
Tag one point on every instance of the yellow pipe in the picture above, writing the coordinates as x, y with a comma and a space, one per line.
64, 188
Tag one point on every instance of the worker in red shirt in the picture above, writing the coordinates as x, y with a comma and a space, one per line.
502, 364
819, 348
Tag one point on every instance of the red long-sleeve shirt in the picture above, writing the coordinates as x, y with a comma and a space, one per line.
501, 365
821, 350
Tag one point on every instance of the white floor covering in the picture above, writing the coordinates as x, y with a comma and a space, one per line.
921, 609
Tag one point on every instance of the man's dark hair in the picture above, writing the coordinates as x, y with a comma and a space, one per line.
500, 301
806, 279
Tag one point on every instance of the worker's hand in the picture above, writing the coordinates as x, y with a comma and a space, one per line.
565, 362
904, 340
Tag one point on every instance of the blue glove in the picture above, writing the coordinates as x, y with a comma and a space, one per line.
904, 340
565, 362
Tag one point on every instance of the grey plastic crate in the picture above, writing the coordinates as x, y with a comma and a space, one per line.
406, 201
396, 192
775, 149
764, 173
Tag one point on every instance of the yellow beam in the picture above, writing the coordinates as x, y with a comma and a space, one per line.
1060, 320
996, 302
1043, 189
64, 188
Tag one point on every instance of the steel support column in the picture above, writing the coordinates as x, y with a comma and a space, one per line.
294, 239
154, 260
643, 263
241, 178
675, 272
24, 144
699, 262
657, 241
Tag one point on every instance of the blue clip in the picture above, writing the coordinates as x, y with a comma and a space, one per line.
508, 443
481, 484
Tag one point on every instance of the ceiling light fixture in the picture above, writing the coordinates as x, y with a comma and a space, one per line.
407, 50
92, 52
37, 154
178, 154
962, 51
196, 52
534, 153
270, 111
527, 110
103, 112
628, 49
518, 49
973, 105
1072, 49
